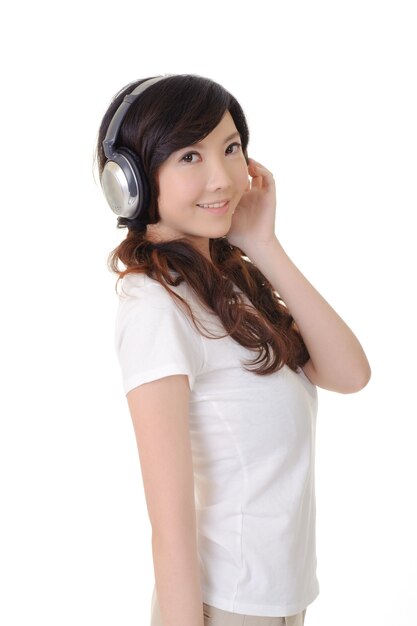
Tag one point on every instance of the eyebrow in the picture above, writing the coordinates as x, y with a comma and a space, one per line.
235, 134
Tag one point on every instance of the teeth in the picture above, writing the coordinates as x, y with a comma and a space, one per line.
217, 205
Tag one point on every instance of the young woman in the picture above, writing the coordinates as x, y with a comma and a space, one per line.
222, 343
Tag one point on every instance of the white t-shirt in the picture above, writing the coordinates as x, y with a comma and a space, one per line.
253, 447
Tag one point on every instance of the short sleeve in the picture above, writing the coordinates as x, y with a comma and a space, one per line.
154, 338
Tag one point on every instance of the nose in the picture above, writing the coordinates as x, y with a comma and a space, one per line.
218, 175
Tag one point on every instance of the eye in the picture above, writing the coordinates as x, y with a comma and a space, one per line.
235, 143
185, 157
231, 149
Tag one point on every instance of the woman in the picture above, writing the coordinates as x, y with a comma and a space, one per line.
226, 450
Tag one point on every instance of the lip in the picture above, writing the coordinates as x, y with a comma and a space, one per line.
219, 210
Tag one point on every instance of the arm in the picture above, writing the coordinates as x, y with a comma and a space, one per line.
159, 411
337, 360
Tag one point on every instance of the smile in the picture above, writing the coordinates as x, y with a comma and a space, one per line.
218, 208
214, 205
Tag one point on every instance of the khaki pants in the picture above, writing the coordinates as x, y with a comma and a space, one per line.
218, 617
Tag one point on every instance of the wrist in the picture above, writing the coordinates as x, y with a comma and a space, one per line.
256, 250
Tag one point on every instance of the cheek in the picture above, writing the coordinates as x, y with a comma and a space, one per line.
174, 187
189, 186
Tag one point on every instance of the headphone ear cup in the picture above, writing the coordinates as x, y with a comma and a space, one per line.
142, 186
124, 184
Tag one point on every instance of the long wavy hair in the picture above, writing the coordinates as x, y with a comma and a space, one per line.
174, 113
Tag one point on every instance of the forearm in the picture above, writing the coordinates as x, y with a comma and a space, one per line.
336, 354
177, 580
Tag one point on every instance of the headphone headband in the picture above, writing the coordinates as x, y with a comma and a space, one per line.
118, 117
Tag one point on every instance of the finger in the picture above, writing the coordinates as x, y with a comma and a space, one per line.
263, 180
257, 182
258, 167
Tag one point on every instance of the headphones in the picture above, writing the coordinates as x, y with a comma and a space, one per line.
123, 180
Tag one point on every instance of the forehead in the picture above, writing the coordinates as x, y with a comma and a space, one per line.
224, 127
220, 134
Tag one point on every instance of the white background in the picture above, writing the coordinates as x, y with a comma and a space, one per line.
329, 90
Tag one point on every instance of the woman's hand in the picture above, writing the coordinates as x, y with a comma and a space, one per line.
253, 221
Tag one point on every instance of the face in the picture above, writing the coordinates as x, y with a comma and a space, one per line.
212, 171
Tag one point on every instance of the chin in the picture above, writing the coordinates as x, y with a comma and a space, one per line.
215, 233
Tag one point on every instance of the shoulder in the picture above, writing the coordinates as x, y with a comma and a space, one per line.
138, 286
135, 284
145, 297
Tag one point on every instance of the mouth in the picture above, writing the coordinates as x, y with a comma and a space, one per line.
216, 207
213, 205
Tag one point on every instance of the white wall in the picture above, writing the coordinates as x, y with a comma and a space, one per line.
329, 90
